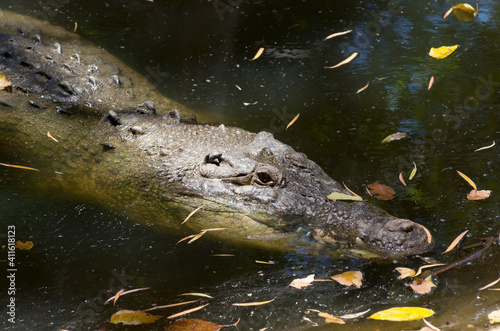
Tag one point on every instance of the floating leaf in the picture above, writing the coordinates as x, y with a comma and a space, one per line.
258, 54
292, 121
490, 284
363, 88
239, 88
117, 295
442, 52
123, 292
50, 136
187, 311
18, 166
24, 245
405, 272
394, 136
250, 304
349, 59
448, 13
349, 278
350, 191
455, 242
5, 83
432, 327
329, 318
431, 81
428, 266
194, 325
478, 195
427, 232
422, 286
413, 172
249, 103
381, 191
299, 283
402, 314
334, 196
172, 305
333, 35
191, 214
401, 179
465, 12
494, 317
198, 295
355, 315
471, 183
485, 147
133, 317
196, 237
265, 262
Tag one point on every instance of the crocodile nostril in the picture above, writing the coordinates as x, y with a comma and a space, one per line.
267, 175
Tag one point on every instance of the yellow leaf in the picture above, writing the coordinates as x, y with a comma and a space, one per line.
402, 314
299, 283
5, 83
24, 246
413, 172
349, 278
494, 316
349, 59
258, 54
334, 196
133, 317
249, 304
405, 272
455, 242
292, 121
428, 266
468, 180
464, 12
478, 195
333, 35
442, 52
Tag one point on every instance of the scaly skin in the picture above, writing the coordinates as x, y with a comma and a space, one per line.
125, 145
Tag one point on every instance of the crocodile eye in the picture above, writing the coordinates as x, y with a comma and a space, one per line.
267, 175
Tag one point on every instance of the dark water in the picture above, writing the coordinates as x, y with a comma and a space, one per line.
196, 53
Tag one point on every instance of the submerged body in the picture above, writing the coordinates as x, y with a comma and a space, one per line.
125, 145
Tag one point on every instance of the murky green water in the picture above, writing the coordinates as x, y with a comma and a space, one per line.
196, 54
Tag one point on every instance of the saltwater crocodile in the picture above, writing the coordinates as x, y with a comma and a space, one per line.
127, 146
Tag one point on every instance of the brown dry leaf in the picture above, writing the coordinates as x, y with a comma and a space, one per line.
5, 83
299, 283
427, 232
186, 238
203, 295
422, 286
349, 278
265, 262
350, 191
330, 318
478, 195
431, 81
363, 88
239, 88
187, 311
455, 241
250, 103
194, 325
430, 326
333, 35
349, 59
250, 304
258, 54
354, 315
401, 179
133, 317
18, 166
24, 245
448, 13
405, 272
292, 121
471, 183
381, 191
394, 136
51, 137
123, 292
117, 295
191, 214
196, 237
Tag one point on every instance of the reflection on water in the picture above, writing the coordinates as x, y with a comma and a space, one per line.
196, 53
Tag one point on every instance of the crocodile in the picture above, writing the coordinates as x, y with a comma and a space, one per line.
118, 141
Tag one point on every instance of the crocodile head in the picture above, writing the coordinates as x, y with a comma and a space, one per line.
267, 175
